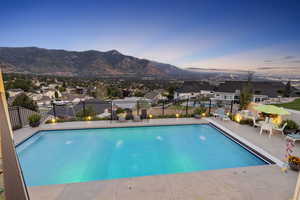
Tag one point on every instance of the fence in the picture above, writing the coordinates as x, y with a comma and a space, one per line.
112, 109
19, 116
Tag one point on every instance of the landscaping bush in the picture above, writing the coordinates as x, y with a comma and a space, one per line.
34, 120
247, 121
26, 102
120, 110
89, 111
199, 111
290, 124
58, 120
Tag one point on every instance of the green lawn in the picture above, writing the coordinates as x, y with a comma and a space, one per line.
295, 105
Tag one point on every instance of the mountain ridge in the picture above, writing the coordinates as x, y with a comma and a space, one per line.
90, 63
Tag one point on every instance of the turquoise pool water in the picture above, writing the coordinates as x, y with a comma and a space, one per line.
66, 156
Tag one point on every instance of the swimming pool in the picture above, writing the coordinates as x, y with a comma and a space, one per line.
67, 156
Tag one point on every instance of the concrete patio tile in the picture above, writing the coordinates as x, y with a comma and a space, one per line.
94, 190
265, 182
146, 188
89, 190
45, 192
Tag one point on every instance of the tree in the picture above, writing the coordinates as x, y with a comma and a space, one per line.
114, 92
101, 91
171, 91
139, 94
61, 89
288, 89
246, 94
26, 102
56, 95
22, 84
6, 94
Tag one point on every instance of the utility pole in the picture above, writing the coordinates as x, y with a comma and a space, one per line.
15, 187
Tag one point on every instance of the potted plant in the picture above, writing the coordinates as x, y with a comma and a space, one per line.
294, 163
34, 120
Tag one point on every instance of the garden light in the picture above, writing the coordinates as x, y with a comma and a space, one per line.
277, 120
177, 115
150, 116
53, 120
89, 118
238, 118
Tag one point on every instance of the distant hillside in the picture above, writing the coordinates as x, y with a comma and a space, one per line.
86, 63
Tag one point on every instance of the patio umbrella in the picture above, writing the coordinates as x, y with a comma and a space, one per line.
270, 109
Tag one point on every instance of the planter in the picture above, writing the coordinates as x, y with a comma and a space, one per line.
34, 124
294, 166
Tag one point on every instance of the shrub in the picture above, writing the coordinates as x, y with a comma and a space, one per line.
120, 110
247, 121
26, 102
199, 111
34, 120
58, 120
290, 124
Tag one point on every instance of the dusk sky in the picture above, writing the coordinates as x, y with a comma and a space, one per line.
220, 34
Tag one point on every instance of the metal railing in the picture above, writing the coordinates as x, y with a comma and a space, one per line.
110, 110
19, 116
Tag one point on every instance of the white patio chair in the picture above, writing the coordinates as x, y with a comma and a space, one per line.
281, 129
255, 124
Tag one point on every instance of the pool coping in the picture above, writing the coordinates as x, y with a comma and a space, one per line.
105, 127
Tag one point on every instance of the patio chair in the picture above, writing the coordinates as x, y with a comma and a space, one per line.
220, 112
144, 114
129, 115
255, 124
281, 129
121, 119
137, 118
267, 127
114, 116
293, 137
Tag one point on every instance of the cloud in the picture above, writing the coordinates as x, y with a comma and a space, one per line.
253, 59
288, 57
268, 61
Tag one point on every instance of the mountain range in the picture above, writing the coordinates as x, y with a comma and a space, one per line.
82, 63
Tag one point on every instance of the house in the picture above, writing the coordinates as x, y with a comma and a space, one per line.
128, 102
155, 95
53, 86
35, 96
14, 92
192, 89
51, 93
262, 90
96, 105
71, 90
70, 110
44, 101
74, 98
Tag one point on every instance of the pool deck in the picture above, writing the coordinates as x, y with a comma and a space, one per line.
258, 182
